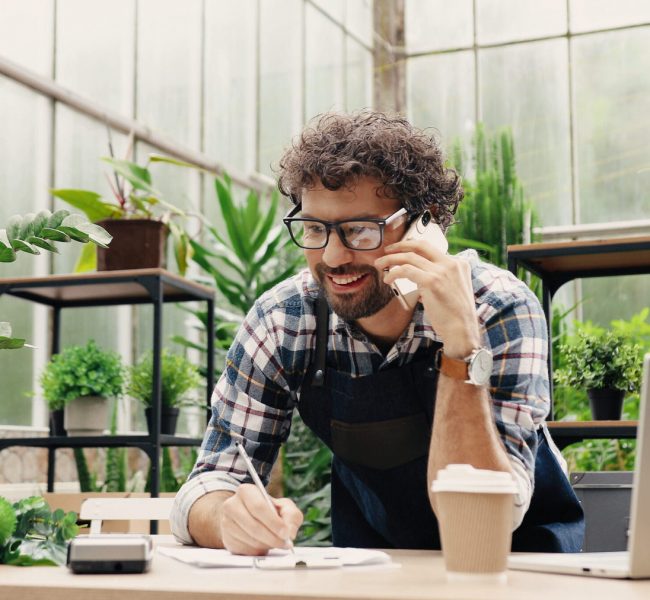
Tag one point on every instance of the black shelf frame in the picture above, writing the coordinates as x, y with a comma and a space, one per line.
112, 288
565, 433
557, 263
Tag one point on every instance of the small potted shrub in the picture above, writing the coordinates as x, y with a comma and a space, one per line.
82, 379
606, 364
178, 377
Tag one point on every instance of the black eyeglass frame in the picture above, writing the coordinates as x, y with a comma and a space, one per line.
336, 225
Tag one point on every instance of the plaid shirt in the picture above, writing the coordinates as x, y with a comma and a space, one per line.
265, 366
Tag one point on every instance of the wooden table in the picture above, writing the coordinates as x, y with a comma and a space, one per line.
421, 576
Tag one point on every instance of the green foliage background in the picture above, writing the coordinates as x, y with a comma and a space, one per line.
495, 211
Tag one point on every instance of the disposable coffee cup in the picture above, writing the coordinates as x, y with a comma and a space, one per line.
475, 512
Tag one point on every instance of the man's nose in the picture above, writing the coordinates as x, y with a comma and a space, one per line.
336, 253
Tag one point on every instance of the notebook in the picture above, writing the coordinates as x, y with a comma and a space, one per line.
633, 564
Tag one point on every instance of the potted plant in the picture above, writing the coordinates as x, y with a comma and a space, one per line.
606, 364
178, 376
138, 218
82, 378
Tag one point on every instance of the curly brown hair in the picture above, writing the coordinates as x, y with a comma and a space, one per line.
337, 149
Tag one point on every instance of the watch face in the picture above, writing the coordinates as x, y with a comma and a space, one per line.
480, 368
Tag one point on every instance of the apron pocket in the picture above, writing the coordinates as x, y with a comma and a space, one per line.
382, 444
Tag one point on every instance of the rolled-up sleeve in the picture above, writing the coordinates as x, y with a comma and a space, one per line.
515, 330
251, 405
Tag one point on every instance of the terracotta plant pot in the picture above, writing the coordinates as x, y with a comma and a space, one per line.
136, 244
606, 404
168, 419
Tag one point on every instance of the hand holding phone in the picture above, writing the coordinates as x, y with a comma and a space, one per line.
423, 228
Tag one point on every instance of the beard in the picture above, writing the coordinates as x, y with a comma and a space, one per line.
374, 296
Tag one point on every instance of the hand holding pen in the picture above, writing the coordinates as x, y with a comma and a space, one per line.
260, 486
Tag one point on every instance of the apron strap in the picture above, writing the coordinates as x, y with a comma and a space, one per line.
322, 331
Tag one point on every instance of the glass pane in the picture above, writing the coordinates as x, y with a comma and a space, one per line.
26, 33
358, 76
587, 15
79, 144
611, 98
334, 8
280, 107
230, 93
169, 68
25, 130
441, 94
609, 298
438, 24
507, 20
24, 172
94, 51
525, 87
359, 19
323, 64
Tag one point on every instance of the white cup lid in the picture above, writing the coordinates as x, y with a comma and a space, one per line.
465, 478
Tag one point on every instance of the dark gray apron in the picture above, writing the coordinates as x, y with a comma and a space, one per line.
378, 428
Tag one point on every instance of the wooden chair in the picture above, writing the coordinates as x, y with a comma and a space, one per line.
97, 510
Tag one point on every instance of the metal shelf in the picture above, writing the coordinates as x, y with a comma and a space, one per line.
565, 433
109, 288
113, 441
557, 263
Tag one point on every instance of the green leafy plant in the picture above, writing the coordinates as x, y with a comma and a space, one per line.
495, 211
178, 376
134, 197
30, 534
7, 341
600, 360
116, 462
254, 254
171, 479
32, 233
571, 403
81, 371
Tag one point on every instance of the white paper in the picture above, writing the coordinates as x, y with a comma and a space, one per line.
212, 558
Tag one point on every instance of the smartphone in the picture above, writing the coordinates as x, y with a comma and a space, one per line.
423, 228
109, 553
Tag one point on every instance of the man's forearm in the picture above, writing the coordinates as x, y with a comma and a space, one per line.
464, 430
204, 522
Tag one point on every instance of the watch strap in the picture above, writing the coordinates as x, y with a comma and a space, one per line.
456, 368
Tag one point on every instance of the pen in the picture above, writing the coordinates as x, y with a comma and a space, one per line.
258, 483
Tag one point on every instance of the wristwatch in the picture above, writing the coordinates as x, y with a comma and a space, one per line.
475, 368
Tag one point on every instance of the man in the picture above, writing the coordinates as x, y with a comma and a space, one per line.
369, 383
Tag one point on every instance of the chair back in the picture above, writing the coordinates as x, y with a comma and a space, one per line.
97, 510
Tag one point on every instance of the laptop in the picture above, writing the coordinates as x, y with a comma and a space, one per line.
633, 564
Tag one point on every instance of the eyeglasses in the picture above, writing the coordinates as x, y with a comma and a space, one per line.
356, 234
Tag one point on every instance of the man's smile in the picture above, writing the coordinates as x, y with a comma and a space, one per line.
347, 280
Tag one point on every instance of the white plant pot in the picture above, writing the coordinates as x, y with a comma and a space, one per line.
87, 415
